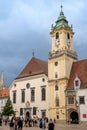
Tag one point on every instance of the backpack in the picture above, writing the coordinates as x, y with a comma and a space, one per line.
40, 125
11, 123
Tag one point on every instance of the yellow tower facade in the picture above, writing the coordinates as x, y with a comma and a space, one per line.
61, 57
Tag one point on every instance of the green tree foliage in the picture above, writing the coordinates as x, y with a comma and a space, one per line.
8, 108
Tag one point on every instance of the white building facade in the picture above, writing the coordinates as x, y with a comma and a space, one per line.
82, 104
29, 94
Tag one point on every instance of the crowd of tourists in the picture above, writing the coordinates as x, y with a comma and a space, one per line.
17, 123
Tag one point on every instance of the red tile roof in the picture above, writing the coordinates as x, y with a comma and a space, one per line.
4, 93
34, 67
79, 69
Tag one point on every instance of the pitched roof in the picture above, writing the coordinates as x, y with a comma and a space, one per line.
79, 69
34, 67
4, 93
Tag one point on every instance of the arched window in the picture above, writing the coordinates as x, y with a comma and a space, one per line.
68, 36
56, 87
57, 35
34, 110
56, 63
14, 96
77, 82
21, 111
27, 85
57, 101
56, 75
32, 95
43, 93
23, 96
57, 116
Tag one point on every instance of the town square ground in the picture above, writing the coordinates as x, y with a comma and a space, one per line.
82, 126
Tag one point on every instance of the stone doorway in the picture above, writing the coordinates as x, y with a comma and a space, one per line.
74, 117
28, 114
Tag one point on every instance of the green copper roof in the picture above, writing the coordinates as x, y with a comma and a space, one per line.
61, 21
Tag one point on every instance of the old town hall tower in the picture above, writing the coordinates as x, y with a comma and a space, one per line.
61, 57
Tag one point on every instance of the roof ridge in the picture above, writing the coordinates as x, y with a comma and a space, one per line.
33, 67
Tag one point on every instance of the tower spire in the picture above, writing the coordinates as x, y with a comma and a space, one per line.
2, 81
61, 21
61, 8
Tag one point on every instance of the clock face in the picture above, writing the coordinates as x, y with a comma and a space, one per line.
57, 42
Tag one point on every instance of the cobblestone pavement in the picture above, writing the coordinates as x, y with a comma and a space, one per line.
57, 127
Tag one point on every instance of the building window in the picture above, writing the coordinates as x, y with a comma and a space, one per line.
32, 95
21, 111
57, 101
22, 96
43, 113
14, 85
27, 85
57, 35
56, 63
76, 83
68, 36
70, 100
56, 75
43, 79
43, 94
14, 96
57, 116
34, 110
81, 100
56, 87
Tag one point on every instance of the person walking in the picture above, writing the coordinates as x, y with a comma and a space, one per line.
20, 124
11, 124
42, 124
51, 125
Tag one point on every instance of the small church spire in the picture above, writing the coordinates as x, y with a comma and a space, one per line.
33, 53
2, 81
2, 76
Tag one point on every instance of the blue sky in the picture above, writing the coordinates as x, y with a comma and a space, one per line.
25, 26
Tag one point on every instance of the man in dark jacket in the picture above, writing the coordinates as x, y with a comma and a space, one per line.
51, 125
20, 123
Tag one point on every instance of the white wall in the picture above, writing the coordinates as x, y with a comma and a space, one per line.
34, 81
82, 107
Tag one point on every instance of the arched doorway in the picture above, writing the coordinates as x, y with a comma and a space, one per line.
74, 117
27, 114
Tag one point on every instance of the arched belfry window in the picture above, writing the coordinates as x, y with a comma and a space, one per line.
68, 36
57, 35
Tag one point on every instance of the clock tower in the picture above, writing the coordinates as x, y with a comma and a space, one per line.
61, 57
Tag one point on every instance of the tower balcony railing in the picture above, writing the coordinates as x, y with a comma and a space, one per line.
62, 52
